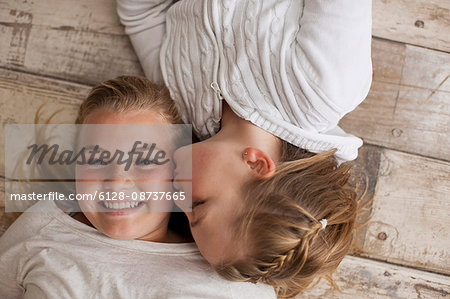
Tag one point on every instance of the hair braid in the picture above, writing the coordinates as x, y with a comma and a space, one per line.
280, 222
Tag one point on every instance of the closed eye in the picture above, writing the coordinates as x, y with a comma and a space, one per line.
197, 203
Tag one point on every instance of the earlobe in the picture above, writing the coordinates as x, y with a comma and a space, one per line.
259, 163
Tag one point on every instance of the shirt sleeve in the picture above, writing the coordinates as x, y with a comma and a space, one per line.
145, 23
333, 50
14, 252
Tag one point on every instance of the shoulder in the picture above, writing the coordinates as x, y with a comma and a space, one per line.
27, 225
195, 276
252, 290
213, 283
14, 251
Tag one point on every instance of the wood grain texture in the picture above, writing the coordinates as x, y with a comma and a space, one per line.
364, 180
364, 278
2, 193
21, 95
408, 106
424, 23
411, 208
6, 219
411, 199
79, 41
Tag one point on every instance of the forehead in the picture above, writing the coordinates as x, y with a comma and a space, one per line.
109, 116
111, 129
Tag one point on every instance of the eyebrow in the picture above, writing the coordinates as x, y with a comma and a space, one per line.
141, 148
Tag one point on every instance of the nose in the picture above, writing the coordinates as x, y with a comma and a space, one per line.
118, 179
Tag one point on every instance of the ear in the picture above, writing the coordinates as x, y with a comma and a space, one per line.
259, 163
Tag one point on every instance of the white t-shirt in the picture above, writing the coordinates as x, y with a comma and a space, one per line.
48, 254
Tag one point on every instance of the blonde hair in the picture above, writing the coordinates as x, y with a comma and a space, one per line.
288, 248
128, 93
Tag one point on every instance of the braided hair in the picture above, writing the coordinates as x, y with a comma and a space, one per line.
288, 246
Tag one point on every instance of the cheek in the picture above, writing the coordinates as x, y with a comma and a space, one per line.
156, 185
87, 187
203, 165
159, 179
210, 174
87, 182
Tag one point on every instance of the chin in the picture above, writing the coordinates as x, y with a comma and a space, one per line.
120, 234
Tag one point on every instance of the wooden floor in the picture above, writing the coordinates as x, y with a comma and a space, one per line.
53, 51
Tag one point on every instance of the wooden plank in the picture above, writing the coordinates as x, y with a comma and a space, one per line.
364, 180
81, 42
408, 106
364, 278
411, 208
2, 194
99, 16
424, 23
21, 95
6, 219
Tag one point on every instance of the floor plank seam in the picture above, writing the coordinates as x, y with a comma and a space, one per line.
63, 80
406, 152
409, 44
400, 265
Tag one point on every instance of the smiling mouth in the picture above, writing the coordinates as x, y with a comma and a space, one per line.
122, 206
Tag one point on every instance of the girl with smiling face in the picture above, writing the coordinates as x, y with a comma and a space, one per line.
264, 84
117, 249
123, 121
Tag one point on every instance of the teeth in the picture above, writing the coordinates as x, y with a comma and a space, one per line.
121, 205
